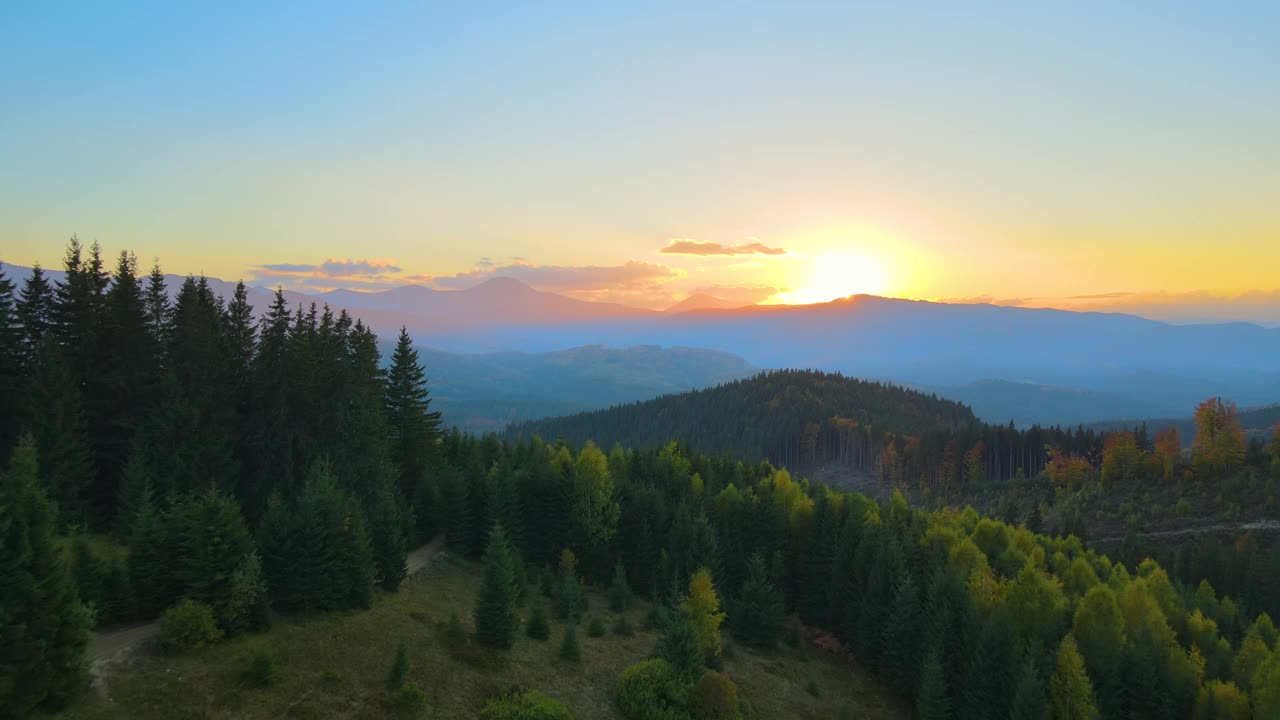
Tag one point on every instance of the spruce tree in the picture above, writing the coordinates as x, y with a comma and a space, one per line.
212, 541
931, 697
386, 533
496, 618
413, 427
43, 627
679, 644
400, 666
570, 648
1029, 701
153, 557
757, 614
539, 626
11, 405
901, 636
619, 590
60, 433
35, 315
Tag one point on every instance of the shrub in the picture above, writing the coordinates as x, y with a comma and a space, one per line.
409, 699
528, 705
570, 649
399, 666
812, 687
455, 634
188, 625
538, 627
595, 628
655, 618
654, 690
264, 668
718, 696
622, 626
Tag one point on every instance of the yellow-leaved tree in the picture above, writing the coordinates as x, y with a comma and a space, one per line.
704, 610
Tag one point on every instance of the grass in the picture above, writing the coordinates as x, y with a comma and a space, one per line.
335, 666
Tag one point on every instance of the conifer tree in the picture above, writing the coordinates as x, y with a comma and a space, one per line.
153, 556
901, 659
137, 487
60, 433
413, 428
539, 626
496, 618
703, 607
11, 406
619, 590
1029, 701
159, 311
570, 647
1070, 693
931, 697
212, 541
386, 533
35, 315
43, 627
400, 666
678, 644
758, 612
990, 674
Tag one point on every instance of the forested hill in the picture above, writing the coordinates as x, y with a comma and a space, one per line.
779, 415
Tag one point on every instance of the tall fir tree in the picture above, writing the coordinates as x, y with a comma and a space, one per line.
44, 629
932, 702
35, 314
11, 405
413, 428
496, 617
757, 614
59, 428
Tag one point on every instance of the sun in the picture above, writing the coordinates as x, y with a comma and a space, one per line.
834, 275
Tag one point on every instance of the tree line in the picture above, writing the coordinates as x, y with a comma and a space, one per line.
277, 464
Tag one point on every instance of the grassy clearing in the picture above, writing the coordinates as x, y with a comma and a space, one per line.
334, 666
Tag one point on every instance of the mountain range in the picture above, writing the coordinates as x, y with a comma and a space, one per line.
1026, 365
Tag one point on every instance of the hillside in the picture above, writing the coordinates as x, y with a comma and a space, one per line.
1257, 423
484, 392
767, 416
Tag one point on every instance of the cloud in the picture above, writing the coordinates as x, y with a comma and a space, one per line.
1259, 306
694, 247
334, 272
750, 295
985, 299
564, 278
1101, 296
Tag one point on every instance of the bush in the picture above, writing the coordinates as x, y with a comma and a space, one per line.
570, 649
528, 705
595, 628
622, 626
655, 618
655, 690
400, 666
409, 699
538, 627
813, 688
455, 633
188, 625
264, 668
718, 696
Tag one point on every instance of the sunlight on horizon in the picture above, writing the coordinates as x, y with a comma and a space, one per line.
834, 275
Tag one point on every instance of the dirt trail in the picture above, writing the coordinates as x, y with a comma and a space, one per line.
1254, 526
106, 646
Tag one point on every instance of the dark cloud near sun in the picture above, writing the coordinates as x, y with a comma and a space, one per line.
695, 247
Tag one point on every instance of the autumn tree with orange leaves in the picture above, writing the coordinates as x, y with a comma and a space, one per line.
1168, 448
1219, 445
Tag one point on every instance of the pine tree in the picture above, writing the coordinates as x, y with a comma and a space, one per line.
386, 532
1070, 693
11, 405
58, 424
619, 590
496, 619
35, 315
400, 666
538, 627
758, 612
679, 644
901, 659
570, 648
1029, 701
986, 684
931, 697
159, 311
153, 556
43, 627
414, 429
212, 541
137, 487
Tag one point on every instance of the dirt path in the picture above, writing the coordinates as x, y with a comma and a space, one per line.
106, 646
1255, 526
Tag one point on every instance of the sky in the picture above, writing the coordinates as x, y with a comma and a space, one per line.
1081, 155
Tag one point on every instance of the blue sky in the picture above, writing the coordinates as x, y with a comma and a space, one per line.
926, 149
